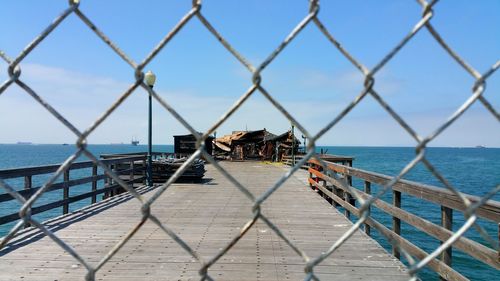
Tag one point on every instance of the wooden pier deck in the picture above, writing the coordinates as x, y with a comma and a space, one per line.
206, 216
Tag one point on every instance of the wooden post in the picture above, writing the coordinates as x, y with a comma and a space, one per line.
328, 199
94, 183
347, 200
368, 190
144, 165
107, 183
349, 178
132, 174
311, 176
112, 192
321, 193
66, 191
446, 222
347, 196
396, 223
28, 183
337, 191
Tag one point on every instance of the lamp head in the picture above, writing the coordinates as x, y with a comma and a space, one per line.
150, 78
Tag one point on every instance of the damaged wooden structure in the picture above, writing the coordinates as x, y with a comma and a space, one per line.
255, 145
185, 145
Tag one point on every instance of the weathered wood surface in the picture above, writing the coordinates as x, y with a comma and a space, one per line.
206, 216
38, 170
441, 196
441, 232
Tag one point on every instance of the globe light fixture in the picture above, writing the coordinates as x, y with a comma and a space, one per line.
150, 78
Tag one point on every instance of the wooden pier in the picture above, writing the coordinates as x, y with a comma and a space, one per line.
207, 216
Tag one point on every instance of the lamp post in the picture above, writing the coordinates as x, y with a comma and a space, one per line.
150, 79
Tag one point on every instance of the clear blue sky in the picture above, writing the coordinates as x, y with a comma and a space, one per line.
81, 76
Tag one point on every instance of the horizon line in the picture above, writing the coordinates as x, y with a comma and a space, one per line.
319, 145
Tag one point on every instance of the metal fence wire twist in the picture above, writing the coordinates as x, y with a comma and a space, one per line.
256, 85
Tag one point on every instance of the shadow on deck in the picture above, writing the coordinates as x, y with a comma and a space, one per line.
206, 216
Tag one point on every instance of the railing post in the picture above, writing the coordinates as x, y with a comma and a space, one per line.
347, 200
144, 172
347, 196
28, 183
328, 199
94, 183
132, 167
396, 223
66, 191
107, 183
368, 190
446, 222
311, 176
112, 192
349, 178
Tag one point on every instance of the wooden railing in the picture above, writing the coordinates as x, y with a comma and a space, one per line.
335, 190
344, 160
155, 155
130, 169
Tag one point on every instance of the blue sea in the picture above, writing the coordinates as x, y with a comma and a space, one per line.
470, 170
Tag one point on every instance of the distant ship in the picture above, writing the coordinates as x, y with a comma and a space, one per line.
24, 142
134, 142
480, 146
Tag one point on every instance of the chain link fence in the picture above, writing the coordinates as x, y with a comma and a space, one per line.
313, 18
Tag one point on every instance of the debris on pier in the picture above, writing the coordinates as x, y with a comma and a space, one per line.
164, 165
185, 145
164, 168
261, 145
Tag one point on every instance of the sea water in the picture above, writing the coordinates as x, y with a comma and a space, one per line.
474, 171
471, 170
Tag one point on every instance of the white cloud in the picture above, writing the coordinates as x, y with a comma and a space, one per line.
82, 98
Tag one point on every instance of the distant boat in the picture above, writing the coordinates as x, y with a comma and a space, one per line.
24, 142
65, 144
480, 146
134, 142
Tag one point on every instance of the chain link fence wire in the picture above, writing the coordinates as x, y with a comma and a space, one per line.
313, 18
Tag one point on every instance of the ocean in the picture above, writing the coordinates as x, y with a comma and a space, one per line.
470, 170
